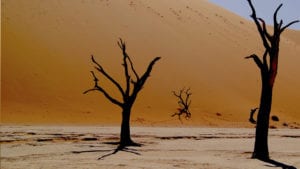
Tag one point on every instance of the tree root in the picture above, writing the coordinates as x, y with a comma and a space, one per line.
124, 147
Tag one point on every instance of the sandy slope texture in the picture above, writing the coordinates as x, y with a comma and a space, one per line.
46, 47
170, 148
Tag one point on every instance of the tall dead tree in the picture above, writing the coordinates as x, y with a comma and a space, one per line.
134, 84
268, 66
184, 103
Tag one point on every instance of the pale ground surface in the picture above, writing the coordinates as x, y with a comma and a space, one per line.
168, 148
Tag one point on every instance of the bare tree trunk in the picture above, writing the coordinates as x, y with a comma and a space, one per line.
261, 150
125, 139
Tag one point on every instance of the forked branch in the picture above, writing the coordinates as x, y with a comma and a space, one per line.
256, 59
122, 46
103, 72
138, 85
148, 71
289, 24
262, 31
100, 89
276, 27
265, 31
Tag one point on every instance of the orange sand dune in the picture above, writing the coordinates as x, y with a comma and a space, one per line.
46, 48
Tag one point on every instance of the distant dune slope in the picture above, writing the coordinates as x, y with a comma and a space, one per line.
46, 48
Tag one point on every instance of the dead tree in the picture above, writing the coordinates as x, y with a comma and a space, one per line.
134, 84
184, 103
251, 118
268, 69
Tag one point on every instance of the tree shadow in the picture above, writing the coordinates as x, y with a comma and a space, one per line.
88, 151
113, 151
112, 142
125, 149
121, 148
278, 164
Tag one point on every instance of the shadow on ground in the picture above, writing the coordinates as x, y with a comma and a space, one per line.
274, 163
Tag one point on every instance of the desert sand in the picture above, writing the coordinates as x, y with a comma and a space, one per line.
71, 147
45, 62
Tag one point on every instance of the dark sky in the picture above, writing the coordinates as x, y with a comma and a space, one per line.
265, 8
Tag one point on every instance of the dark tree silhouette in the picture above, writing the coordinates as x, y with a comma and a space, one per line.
268, 68
184, 103
133, 86
251, 118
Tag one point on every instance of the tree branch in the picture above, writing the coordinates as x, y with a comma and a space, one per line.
138, 85
280, 24
276, 28
102, 71
179, 96
188, 94
99, 88
256, 60
147, 73
259, 28
289, 24
265, 29
122, 45
133, 70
